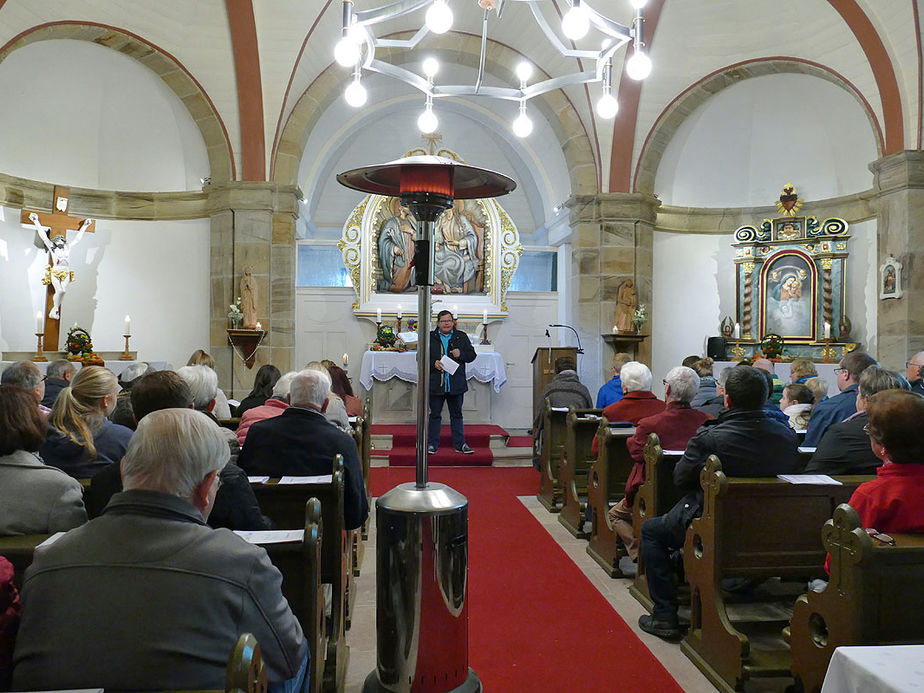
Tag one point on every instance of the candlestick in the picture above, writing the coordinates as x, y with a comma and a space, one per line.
125, 355
128, 325
737, 333
484, 333
39, 352
398, 326
39, 323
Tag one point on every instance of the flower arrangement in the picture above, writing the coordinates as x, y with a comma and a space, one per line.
771, 346
387, 340
640, 317
79, 346
412, 325
235, 314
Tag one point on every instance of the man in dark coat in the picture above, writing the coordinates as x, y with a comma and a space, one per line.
57, 377
445, 340
564, 390
835, 409
749, 443
301, 442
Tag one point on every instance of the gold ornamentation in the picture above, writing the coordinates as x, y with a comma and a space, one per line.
850, 346
841, 246
350, 246
748, 268
511, 250
826, 263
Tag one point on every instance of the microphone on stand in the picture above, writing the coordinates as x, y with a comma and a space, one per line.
576, 335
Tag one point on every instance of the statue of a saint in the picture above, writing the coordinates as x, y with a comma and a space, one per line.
249, 300
626, 303
396, 249
458, 260
58, 273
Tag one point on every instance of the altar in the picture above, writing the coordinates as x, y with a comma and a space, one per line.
390, 379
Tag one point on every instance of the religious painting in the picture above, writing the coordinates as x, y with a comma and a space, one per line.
789, 290
890, 278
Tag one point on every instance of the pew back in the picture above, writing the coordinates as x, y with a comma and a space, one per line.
580, 430
550, 452
607, 485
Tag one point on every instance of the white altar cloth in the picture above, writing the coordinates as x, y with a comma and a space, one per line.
888, 669
488, 367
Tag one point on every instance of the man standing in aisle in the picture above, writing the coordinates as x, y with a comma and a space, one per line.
447, 342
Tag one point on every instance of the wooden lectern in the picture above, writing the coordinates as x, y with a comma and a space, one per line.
544, 368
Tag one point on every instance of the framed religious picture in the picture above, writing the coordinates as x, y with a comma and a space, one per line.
890, 278
788, 285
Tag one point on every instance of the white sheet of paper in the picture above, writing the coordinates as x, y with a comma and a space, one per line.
678, 453
809, 479
271, 536
234, 403
322, 479
52, 539
258, 479
559, 408
805, 449
449, 365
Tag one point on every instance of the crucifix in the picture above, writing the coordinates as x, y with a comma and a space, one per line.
52, 229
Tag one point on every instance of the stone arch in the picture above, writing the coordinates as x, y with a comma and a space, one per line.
670, 119
164, 65
463, 49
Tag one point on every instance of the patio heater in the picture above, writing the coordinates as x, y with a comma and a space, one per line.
422, 540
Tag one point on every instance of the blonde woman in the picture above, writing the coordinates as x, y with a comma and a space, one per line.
800, 370
221, 410
81, 440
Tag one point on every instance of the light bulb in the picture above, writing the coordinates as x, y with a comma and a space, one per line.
431, 66
524, 71
522, 126
427, 121
575, 23
638, 66
355, 94
607, 106
346, 52
439, 17
638, 4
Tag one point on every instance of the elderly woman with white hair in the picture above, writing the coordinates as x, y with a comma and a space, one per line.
675, 425
203, 386
638, 401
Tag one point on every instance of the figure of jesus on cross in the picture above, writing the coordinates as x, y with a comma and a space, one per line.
52, 229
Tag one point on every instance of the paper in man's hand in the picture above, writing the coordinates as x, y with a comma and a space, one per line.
449, 365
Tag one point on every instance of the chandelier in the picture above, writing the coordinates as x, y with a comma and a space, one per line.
358, 43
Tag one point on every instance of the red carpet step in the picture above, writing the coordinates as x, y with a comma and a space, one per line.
403, 451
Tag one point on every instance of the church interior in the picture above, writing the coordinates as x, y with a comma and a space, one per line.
765, 178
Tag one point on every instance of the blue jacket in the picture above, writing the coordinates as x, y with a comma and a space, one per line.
831, 411
609, 393
458, 383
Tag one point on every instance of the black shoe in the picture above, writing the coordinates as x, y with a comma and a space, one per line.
465, 449
663, 629
431, 449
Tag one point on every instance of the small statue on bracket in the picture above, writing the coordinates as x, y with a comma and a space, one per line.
626, 302
843, 327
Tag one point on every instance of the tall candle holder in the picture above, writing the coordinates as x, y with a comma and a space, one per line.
484, 333
126, 356
39, 351
737, 350
828, 353
398, 330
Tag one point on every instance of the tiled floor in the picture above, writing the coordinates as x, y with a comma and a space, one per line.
361, 637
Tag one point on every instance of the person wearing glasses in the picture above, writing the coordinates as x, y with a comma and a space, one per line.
914, 367
26, 375
894, 501
844, 448
835, 409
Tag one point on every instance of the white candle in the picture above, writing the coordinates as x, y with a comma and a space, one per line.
39, 323
346, 359
827, 330
400, 312
259, 326
455, 311
484, 318
378, 315
737, 330
128, 325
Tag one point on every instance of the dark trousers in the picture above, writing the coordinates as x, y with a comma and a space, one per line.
455, 419
660, 537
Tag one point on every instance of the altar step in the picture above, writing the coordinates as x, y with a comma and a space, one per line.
395, 445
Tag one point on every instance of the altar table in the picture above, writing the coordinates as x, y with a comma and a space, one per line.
390, 378
884, 669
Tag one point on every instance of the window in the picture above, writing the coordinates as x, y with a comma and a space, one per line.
538, 271
321, 265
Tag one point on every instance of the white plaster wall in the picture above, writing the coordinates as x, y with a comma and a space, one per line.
740, 147
694, 289
155, 272
75, 113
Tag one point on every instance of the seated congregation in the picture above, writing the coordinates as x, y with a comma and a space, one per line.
125, 526
699, 515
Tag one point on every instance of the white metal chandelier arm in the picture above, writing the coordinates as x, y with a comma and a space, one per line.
617, 31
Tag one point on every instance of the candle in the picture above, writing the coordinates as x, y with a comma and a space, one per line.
128, 325
827, 330
378, 315
346, 359
39, 323
484, 318
737, 330
455, 311
259, 326
400, 312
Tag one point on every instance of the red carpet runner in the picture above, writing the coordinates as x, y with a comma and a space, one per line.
404, 446
536, 624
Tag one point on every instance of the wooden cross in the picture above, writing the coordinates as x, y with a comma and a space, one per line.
56, 224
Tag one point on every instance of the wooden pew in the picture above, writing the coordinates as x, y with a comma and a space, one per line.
574, 470
300, 565
655, 497
607, 485
363, 437
19, 551
246, 671
284, 504
751, 528
553, 441
873, 598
